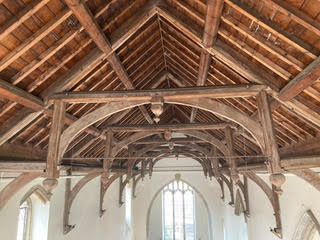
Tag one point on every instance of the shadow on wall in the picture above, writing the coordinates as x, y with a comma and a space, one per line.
201, 214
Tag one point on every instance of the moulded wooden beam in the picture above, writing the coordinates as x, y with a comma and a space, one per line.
224, 91
164, 127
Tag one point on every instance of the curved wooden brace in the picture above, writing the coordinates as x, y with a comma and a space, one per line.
87, 120
203, 103
133, 162
103, 189
15, 185
309, 176
215, 107
230, 187
187, 154
273, 198
242, 187
245, 196
134, 185
71, 196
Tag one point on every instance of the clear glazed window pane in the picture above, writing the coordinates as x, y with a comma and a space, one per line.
178, 215
168, 216
178, 212
189, 215
22, 221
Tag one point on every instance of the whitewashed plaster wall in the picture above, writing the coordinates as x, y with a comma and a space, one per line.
298, 196
148, 189
84, 213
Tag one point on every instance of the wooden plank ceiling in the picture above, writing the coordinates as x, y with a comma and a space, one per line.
44, 49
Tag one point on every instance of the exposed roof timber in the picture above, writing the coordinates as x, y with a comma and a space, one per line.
242, 67
23, 15
86, 19
228, 57
15, 94
29, 165
167, 94
116, 118
294, 14
273, 28
163, 141
23, 119
214, 11
31, 41
164, 127
302, 81
17, 123
258, 39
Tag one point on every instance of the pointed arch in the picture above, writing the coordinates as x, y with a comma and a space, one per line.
16, 185
40, 192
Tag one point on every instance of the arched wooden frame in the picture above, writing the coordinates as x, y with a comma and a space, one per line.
223, 178
140, 152
205, 104
104, 186
16, 185
71, 195
273, 198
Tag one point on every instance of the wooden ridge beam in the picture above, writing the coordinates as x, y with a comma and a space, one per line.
164, 127
168, 94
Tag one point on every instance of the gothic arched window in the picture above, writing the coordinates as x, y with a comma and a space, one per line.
178, 211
